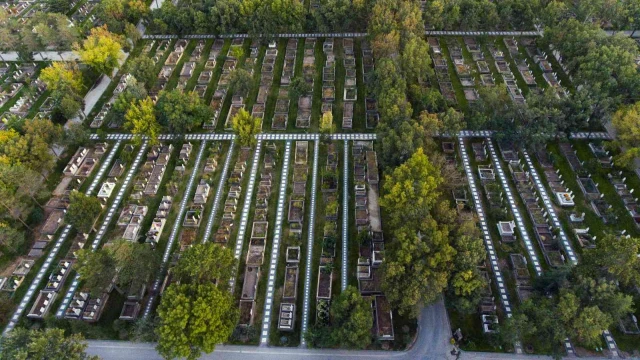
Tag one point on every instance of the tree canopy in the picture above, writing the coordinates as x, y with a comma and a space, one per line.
83, 211
246, 127
50, 343
181, 112
101, 50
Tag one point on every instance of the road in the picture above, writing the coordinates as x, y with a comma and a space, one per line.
432, 343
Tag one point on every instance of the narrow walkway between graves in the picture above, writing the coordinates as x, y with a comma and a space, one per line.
219, 191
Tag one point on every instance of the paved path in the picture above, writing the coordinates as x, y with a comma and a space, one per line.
106, 161
42, 56
219, 191
105, 224
244, 217
275, 249
310, 240
174, 232
514, 208
91, 98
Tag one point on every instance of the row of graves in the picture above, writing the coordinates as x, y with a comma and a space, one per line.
169, 66
350, 92
206, 74
227, 224
542, 228
370, 102
189, 67
295, 220
588, 186
266, 81
463, 69
14, 79
466, 212
281, 113
617, 180
238, 99
15, 9
564, 198
477, 55
197, 206
442, 71
328, 76
521, 62
259, 238
87, 13
497, 207
371, 249
540, 59
330, 235
220, 94
502, 64
103, 114
303, 118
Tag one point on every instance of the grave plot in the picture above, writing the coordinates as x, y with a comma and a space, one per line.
20, 89
281, 112
227, 224
105, 112
86, 12
16, 9
328, 76
266, 81
350, 91
239, 97
220, 94
170, 64
288, 69
369, 229
303, 119
561, 194
287, 297
195, 78
470, 208
442, 71
463, 70
541, 61
590, 189
502, 65
522, 67
542, 228
78, 304
252, 262
371, 105
473, 53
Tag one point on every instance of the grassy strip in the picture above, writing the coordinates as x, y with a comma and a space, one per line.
341, 72
215, 178
491, 62
257, 74
316, 106
217, 71
175, 75
468, 60
537, 72
499, 43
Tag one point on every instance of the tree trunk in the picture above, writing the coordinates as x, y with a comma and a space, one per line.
17, 217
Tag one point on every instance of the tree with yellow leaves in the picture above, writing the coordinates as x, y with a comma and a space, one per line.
246, 127
63, 76
141, 120
101, 50
626, 121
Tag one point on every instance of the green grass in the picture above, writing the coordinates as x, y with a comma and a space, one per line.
217, 71
220, 126
193, 80
341, 73
359, 114
522, 85
275, 87
316, 106
175, 75
216, 177
293, 105
257, 72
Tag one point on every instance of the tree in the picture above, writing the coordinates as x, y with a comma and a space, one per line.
415, 60
326, 123
417, 266
617, 256
246, 127
101, 50
83, 211
141, 120
59, 6
298, 87
452, 121
143, 69
97, 269
135, 261
411, 190
47, 131
29, 150
206, 263
6, 308
336, 15
63, 76
194, 318
76, 134
626, 121
516, 328
351, 319
181, 112
43, 344
588, 326
240, 81
11, 238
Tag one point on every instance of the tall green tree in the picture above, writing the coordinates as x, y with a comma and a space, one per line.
141, 120
206, 263
351, 319
43, 344
97, 270
194, 318
181, 112
83, 211
246, 127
